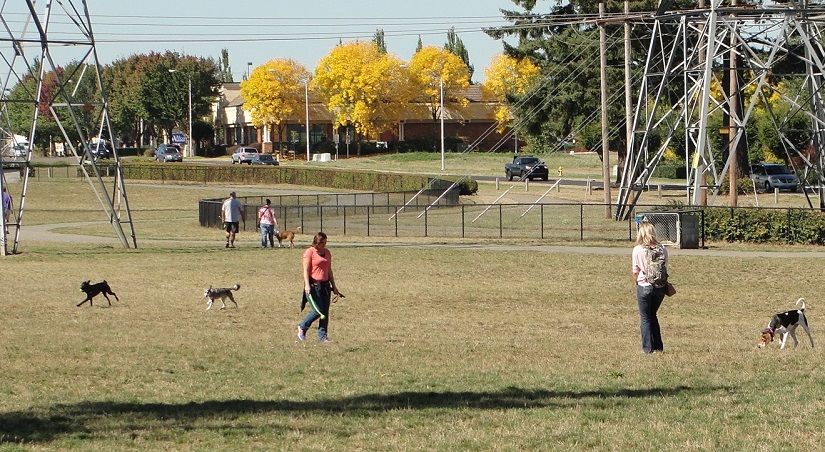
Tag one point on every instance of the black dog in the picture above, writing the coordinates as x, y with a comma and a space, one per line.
93, 290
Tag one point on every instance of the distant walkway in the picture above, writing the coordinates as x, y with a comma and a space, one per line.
45, 233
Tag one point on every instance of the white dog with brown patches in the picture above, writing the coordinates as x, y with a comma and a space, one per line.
785, 323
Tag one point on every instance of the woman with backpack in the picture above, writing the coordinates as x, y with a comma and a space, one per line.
650, 274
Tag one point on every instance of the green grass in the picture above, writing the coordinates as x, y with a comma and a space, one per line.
435, 348
472, 163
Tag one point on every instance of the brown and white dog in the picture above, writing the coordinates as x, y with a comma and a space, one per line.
785, 323
287, 235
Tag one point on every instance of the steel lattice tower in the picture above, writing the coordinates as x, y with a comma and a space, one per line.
35, 45
690, 54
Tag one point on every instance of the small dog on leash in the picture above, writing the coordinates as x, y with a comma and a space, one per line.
220, 293
93, 290
288, 235
785, 323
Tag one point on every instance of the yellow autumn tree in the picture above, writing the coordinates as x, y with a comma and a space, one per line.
433, 68
274, 93
362, 87
507, 76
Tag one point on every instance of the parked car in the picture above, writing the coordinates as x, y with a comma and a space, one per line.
19, 151
243, 155
263, 159
773, 175
100, 150
168, 153
526, 166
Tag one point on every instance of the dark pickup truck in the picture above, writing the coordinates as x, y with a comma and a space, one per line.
527, 165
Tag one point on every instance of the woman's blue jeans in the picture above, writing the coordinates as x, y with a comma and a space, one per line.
320, 295
649, 299
268, 231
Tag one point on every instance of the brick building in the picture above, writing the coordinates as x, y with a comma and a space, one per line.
462, 127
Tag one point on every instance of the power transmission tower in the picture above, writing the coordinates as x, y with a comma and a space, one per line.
692, 58
32, 47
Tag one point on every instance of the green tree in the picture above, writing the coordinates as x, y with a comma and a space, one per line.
568, 96
379, 41
165, 94
455, 46
74, 83
225, 69
124, 84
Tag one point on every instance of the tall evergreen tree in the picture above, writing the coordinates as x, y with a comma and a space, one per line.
455, 46
566, 49
420, 45
379, 41
225, 74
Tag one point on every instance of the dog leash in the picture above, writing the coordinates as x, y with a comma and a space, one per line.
314, 305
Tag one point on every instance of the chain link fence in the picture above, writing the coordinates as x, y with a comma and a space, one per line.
403, 215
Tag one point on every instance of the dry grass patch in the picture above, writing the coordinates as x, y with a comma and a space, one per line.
434, 349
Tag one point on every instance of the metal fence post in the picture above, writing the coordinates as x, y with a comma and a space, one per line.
462, 221
541, 216
500, 225
789, 222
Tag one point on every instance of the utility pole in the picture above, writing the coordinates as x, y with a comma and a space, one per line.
628, 98
733, 118
605, 144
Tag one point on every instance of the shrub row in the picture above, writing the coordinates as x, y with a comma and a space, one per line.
318, 177
756, 225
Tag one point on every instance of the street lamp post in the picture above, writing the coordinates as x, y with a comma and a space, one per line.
441, 109
306, 99
189, 151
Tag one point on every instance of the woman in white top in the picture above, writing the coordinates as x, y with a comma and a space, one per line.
648, 297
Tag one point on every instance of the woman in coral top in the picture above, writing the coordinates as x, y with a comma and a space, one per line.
319, 282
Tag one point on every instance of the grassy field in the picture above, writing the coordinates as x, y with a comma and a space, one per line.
584, 165
434, 348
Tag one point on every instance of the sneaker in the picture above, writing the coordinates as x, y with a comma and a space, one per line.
227, 245
302, 334
325, 342
231, 245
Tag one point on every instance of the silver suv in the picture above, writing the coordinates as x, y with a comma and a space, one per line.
773, 175
243, 155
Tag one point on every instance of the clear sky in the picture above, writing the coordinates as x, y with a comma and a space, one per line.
305, 30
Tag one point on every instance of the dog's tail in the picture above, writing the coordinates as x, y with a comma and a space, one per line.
236, 287
801, 300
